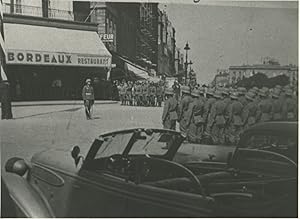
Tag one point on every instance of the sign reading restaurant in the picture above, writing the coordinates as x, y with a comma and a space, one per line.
55, 58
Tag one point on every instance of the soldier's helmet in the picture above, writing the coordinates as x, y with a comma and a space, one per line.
241, 91
250, 95
185, 89
262, 93
234, 96
169, 91
210, 91
201, 90
196, 93
88, 80
218, 94
288, 92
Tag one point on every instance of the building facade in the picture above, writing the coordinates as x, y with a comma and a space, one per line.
49, 55
167, 53
270, 69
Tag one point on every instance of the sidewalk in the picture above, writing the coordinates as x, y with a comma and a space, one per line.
59, 102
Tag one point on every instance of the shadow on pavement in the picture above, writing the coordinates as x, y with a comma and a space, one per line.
41, 114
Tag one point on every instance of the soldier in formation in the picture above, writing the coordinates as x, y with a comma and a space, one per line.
141, 93
222, 113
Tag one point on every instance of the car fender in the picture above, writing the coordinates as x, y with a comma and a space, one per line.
26, 198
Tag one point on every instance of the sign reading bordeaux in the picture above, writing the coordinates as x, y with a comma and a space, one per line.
52, 58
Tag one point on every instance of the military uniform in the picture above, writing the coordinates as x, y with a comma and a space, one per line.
123, 94
145, 94
264, 108
152, 94
159, 94
216, 121
183, 109
250, 111
235, 122
195, 118
88, 98
289, 107
129, 94
207, 108
169, 116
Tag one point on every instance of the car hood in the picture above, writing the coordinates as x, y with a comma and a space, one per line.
56, 159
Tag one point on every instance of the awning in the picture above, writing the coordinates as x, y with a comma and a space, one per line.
40, 45
3, 75
139, 73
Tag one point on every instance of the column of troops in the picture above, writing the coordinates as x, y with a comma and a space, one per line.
218, 116
141, 93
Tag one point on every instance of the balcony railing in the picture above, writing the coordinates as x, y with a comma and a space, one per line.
38, 11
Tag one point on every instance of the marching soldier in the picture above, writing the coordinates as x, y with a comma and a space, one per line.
264, 107
276, 105
289, 106
241, 98
195, 118
216, 119
250, 111
207, 108
183, 108
159, 94
145, 93
235, 123
169, 116
152, 94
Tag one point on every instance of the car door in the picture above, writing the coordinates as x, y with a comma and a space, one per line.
149, 199
97, 194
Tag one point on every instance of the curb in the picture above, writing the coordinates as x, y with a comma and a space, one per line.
53, 103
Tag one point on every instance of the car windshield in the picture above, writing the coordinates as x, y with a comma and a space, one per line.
152, 143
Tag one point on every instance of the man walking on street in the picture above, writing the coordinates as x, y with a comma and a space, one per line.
186, 100
88, 98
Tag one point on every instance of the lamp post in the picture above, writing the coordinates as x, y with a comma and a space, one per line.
186, 48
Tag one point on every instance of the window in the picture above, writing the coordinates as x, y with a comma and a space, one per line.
18, 6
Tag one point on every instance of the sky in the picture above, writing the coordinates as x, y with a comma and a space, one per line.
221, 36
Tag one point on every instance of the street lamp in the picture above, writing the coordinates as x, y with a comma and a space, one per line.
186, 48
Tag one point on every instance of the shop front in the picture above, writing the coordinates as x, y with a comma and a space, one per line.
47, 63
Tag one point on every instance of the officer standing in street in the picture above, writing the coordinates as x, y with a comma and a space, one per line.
169, 116
88, 98
186, 100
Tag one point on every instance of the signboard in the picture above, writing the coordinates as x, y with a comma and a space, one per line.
53, 58
106, 37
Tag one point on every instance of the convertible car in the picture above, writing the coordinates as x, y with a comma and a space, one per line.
137, 173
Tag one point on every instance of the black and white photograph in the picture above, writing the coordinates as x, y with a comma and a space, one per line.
157, 108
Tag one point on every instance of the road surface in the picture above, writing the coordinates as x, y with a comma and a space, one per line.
36, 128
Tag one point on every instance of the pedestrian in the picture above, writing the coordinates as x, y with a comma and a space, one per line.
88, 97
152, 94
169, 116
5, 97
176, 88
195, 117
